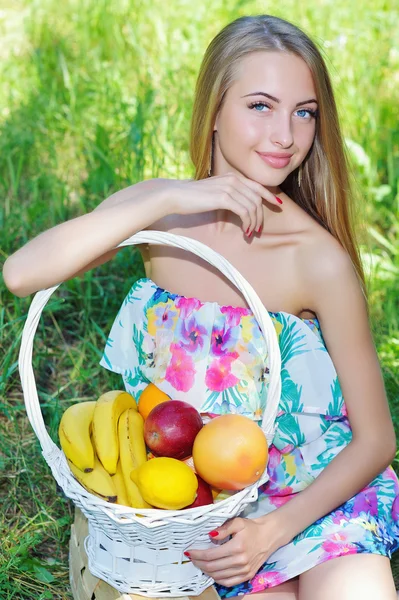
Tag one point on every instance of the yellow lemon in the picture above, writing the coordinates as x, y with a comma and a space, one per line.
166, 483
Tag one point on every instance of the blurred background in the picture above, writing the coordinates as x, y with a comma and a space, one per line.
96, 95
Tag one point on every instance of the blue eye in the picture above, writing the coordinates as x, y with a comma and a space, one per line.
303, 113
257, 105
306, 112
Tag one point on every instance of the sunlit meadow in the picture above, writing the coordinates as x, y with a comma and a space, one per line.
96, 95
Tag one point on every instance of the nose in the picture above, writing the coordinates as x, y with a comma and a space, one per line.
281, 134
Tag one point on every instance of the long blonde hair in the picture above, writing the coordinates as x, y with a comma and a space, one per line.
324, 191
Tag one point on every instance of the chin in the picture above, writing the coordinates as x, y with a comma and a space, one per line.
268, 177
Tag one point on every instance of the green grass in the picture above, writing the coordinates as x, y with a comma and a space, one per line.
97, 95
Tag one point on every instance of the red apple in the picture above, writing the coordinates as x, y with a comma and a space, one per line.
171, 427
204, 494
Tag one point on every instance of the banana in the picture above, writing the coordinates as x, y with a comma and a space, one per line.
128, 461
136, 439
98, 481
120, 486
108, 409
74, 434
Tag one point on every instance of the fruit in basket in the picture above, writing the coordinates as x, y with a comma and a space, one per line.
108, 409
150, 397
136, 439
166, 483
132, 453
215, 492
230, 452
120, 486
204, 494
74, 433
98, 481
171, 427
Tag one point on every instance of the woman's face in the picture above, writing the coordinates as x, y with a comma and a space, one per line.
267, 123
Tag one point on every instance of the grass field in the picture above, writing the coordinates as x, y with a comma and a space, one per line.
97, 95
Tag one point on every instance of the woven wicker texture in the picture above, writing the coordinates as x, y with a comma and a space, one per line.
141, 551
85, 586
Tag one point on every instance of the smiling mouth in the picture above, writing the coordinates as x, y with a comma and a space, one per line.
275, 160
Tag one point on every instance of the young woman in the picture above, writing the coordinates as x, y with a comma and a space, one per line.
271, 194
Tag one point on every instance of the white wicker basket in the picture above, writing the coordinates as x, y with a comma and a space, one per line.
141, 550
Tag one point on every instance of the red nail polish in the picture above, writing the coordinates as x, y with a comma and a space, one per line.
278, 200
246, 233
186, 554
213, 533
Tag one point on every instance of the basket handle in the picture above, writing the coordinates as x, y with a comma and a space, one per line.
165, 239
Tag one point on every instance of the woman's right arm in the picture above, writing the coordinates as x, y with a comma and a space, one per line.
75, 246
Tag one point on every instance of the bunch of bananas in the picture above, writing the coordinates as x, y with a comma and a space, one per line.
103, 441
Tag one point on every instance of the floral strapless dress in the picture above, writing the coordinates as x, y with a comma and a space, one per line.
215, 358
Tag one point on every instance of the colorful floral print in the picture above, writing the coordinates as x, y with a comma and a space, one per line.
215, 358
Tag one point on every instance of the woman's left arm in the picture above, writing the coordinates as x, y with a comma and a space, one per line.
337, 298
341, 308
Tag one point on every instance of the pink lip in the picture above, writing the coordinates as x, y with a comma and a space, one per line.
275, 159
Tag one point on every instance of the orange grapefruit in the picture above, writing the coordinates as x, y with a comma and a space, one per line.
230, 452
150, 397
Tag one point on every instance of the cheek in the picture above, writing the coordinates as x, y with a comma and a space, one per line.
254, 132
304, 136
238, 128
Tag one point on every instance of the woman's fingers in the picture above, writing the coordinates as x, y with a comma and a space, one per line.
247, 204
237, 203
256, 203
231, 191
249, 191
224, 574
261, 190
225, 567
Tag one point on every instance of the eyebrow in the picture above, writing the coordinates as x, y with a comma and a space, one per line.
276, 99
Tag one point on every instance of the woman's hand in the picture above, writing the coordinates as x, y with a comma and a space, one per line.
239, 559
232, 191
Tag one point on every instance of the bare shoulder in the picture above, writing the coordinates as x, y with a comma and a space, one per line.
322, 257
328, 276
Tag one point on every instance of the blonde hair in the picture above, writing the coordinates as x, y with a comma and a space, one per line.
324, 192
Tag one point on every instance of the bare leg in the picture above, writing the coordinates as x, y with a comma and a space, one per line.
365, 576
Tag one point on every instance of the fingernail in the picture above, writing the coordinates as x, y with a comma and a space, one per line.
246, 233
278, 200
213, 533
258, 230
187, 554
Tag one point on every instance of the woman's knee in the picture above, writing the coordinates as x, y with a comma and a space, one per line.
365, 576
